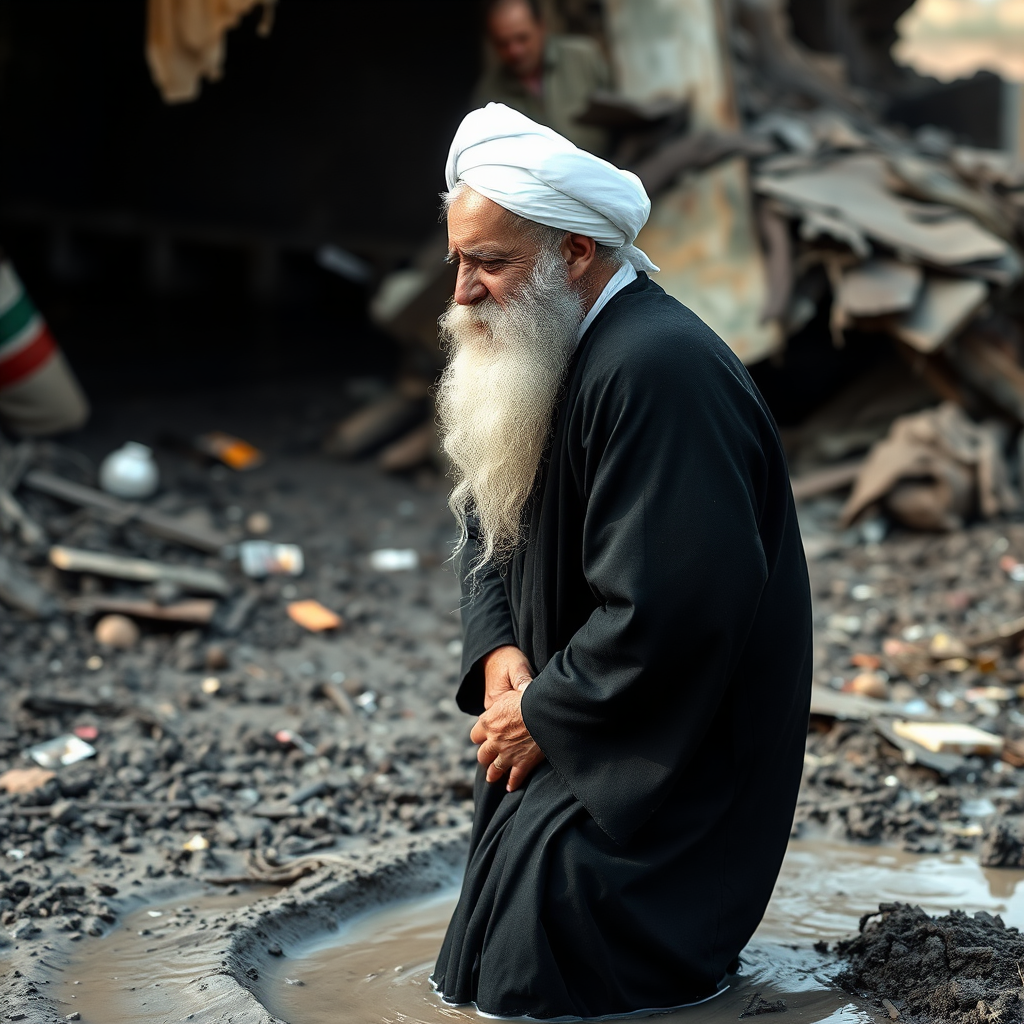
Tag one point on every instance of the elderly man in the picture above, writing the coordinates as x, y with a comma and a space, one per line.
637, 616
548, 77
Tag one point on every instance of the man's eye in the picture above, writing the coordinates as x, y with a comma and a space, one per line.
492, 265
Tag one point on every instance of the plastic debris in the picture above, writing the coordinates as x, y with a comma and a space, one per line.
63, 750
196, 844
261, 558
130, 472
210, 685
230, 450
312, 615
394, 559
86, 732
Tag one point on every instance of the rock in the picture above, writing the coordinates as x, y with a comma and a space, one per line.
116, 631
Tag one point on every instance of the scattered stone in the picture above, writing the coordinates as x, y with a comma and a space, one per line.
117, 631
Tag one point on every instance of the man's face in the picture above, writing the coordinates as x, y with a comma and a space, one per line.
518, 38
494, 259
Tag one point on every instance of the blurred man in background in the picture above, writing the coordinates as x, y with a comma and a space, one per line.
548, 77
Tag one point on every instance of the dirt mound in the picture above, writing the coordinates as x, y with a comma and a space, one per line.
957, 969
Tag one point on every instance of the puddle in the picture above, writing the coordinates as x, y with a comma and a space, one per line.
131, 975
374, 969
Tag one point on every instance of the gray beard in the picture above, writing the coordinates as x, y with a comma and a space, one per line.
496, 397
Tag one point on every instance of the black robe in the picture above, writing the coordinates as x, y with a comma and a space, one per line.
662, 599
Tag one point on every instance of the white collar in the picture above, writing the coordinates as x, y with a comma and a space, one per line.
625, 275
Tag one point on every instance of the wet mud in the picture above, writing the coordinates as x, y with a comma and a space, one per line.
959, 968
357, 947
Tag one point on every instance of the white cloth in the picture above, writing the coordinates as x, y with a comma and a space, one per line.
624, 276
536, 173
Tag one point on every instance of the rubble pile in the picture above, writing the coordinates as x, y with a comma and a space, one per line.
958, 968
184, 723
912, 631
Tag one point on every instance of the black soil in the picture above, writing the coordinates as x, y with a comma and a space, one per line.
958, 969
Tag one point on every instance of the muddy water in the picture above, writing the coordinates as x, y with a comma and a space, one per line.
374, 970
131, 975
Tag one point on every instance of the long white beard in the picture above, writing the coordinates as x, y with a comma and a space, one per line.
496, 397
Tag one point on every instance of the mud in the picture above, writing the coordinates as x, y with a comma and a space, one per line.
338, 948
959, 968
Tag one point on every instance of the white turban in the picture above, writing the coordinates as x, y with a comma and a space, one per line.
535, 172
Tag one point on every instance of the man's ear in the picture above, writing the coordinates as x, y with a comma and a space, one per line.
578, 251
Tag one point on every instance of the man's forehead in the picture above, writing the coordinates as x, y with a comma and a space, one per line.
475, 221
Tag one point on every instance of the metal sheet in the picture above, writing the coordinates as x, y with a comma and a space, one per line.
702, 231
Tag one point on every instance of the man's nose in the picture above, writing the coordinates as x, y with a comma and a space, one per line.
469, 289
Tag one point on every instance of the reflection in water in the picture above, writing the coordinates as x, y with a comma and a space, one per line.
374, 970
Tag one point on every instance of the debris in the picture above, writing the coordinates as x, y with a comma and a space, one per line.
63, 750
157, 523
868, 684
950, 737
25, 780
19, 590
116, 631
240, 612
138, 569
943, 309
856, 188
288, 738
890, 1009
394, 559
196, 611
338, 698
312, 615
130, 472
86, 732
377, 423
932, 470
258, 523
829, 478
879, 287
210, 685
230, 450
833, 704
261, 558
196, 844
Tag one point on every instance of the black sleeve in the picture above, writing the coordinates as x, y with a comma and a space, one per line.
670, 463
486, 623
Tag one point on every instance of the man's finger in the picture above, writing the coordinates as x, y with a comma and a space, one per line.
496, 770
517, 777
486, 754
478, 733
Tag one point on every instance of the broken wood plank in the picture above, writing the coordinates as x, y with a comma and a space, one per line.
915, 753
139, 570
879, 288
944, 308
198, 611
825, 480
158, 523
950, 737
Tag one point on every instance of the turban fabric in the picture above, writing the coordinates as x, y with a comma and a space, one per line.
534, 172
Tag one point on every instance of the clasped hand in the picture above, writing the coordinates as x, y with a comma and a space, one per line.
506, 746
